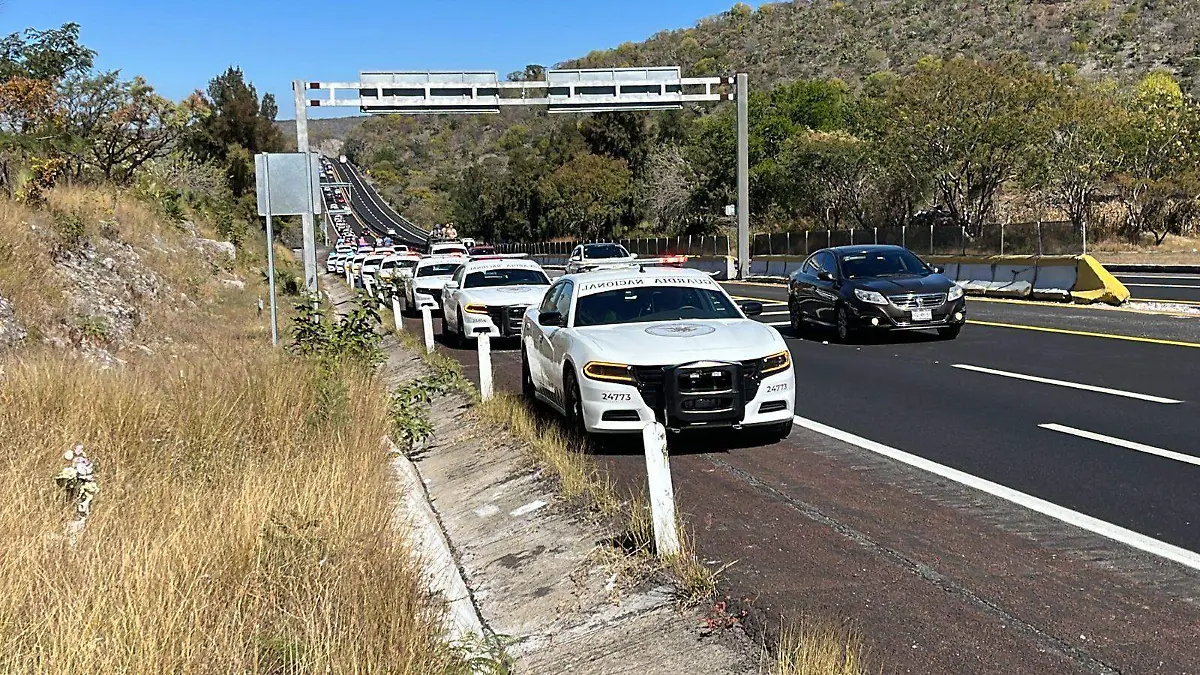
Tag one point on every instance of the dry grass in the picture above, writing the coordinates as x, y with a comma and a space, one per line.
243, 524
245, 518
818, 648
579, 481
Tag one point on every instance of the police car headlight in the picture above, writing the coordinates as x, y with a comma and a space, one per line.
608, 372
777, 363
475, 308
956, 292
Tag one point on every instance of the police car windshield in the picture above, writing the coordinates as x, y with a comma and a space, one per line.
505, 277
438, 270
652, 303
592, 251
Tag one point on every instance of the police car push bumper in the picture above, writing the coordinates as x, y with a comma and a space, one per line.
616, 407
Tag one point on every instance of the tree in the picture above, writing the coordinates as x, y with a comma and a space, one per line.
968, 125
584, 197
32, 62
1082, 150
48, 55
1158, 160
667, 187
236, 118
116, 126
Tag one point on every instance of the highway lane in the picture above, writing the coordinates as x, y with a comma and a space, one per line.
1162, 286
905, 391
1055, 316
374, 210
910, 392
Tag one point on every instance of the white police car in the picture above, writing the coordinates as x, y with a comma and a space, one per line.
424, 287
490, 296
597, 256
616, 349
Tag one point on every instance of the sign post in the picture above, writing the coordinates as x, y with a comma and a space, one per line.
286, 184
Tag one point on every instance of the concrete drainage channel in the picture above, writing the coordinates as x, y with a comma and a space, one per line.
526, 574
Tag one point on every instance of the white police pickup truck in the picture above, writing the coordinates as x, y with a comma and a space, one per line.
490, 296
616, 349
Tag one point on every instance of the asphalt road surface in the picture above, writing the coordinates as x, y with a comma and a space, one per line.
1163, 287
373, 211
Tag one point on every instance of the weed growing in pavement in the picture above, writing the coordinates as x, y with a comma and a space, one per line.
410, 423
810, 647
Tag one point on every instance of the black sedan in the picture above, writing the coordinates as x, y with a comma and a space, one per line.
861, 288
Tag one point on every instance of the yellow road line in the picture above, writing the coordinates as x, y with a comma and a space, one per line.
1063, 331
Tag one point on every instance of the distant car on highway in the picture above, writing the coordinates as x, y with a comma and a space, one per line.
477, 251
616, 349
424, 287
490, 296
595, 256
448, 248
863, 288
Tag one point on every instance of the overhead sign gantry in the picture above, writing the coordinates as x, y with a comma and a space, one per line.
424, 92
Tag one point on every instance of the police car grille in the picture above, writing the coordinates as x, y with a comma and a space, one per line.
508, 319
650, 382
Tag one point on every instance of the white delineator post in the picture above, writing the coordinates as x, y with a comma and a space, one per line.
427, 324
484, 345
349, 281
396, 312
662, 492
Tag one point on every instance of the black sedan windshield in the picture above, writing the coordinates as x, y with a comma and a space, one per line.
866, 264
509, 277
604, 251
652, 303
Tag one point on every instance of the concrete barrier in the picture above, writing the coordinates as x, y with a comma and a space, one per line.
1061, 278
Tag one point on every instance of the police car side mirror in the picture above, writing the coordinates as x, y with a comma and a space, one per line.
549, 319
825, 276
750, 307
632, 255
937, 269
452, 285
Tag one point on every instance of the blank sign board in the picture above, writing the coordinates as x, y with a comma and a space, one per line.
295, 184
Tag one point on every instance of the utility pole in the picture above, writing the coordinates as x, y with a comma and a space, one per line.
743, 175
310, 237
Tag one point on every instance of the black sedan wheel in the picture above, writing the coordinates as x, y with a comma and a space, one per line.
844, 332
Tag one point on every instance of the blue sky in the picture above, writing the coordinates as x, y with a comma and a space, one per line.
179, 45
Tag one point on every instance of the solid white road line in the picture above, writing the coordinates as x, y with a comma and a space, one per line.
777, 324
774, 314
1197, 287
1071, 517
1064, 383
1120, 442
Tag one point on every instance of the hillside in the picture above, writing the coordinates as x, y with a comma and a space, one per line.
850, 39
517, 175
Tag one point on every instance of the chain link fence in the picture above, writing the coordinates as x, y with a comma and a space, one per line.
1048, 238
